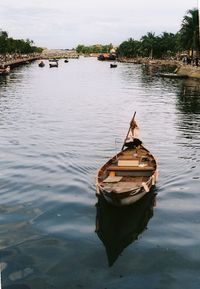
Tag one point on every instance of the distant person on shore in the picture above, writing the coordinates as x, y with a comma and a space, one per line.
189, 60
186, 60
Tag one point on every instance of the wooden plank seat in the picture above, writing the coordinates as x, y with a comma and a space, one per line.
128, 168
121, 186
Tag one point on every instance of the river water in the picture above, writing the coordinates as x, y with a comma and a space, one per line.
57, 127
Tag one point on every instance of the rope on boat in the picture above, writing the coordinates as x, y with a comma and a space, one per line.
145, 186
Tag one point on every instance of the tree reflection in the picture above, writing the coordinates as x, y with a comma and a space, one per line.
188, 116
189, 96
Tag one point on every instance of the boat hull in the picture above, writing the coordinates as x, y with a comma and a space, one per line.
129, 197
122, 193
5, 71
113, 65
41, 64
119, 201
53, 65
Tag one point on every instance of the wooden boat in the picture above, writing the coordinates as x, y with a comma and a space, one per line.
41, 64
113, 65
129, 175
53, 64
107, 56
118, 227
4, 70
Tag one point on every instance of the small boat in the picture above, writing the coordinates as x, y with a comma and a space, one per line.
118, 227
172, 75
101, 57
130, 174
113, 65
4, 70
107, 56
66, 60
53, 64
41, 64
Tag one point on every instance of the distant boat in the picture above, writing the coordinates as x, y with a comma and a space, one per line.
106, 56
101, 57
53, 64
113, 65
66, 60
119, 227
41, 64
4, 70
129, 175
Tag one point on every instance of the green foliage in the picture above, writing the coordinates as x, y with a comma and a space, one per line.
97, 48
129, 48
150, 45
10, 45
166, 44
189, 32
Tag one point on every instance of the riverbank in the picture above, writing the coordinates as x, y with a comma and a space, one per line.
189, 71
17, 59
140, 60
181, 69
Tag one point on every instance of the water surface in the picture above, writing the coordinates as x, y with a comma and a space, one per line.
57, 126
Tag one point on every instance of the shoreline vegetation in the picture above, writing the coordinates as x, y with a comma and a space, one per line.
16, 51
180, 50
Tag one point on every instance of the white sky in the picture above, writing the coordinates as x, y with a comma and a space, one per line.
67, 23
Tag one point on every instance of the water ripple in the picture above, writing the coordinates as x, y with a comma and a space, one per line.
57, 128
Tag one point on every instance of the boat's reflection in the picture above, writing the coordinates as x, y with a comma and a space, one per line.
117, 227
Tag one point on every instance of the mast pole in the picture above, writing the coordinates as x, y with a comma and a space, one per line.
128, 131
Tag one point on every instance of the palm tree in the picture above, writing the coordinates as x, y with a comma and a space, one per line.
129, 48
189, 32
149, 43
3, 34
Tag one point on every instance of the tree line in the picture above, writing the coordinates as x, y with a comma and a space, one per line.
97, 48
158, 46
10, 45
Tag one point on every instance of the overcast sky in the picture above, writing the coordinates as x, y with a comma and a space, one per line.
67, 23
